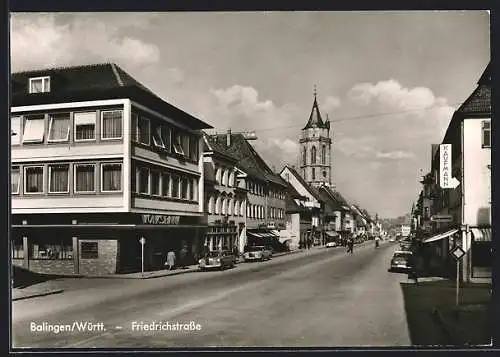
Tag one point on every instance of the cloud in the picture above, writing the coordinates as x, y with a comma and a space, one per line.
356, 147
38, 41
330, 104
395, 155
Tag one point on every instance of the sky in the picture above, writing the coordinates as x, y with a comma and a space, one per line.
388, 81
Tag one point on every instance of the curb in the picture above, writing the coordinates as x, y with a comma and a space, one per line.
52, 292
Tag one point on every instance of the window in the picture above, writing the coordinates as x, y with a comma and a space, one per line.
231, 179
185, 144
111, 177
313, 155
39, 85
313, 174
178, 144
230, 207
85, 126
242, 208
217, 205
155, 183
224, 206
111, 124
236, 208
85, 178
58, 178
193, 148
53, 248
89, 250
175, 186
59, 127
192, 184
17, 248
15, 130
157, 138
323, 154
144, 180
304, 156
166, 137
486, 134
144, 131
15, 176
133, 128
34, 129
225, 177
33, 179
210, 207
324, 173
184, 188
166, 185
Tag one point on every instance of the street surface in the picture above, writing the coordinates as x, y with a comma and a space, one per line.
322, 298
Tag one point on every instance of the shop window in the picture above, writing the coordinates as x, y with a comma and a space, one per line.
33, 179
39, 85
111, 124
175, 186
486, 134
481, 257
111, 177
144, 180
166, 136
84, 126
17, 248
15, 177
58, 178
59, 127
89, 250
85, 178
52, 249
34, 129
15, 130
165, 184
155, 183
184, 188
143, 131
193, 148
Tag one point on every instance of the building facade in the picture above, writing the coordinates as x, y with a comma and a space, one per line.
99, 162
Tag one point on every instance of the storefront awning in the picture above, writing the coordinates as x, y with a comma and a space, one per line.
440, 236
481, 234
262, 234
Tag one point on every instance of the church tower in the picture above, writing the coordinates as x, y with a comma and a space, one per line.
315, 149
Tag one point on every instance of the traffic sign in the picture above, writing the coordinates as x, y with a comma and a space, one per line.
142, 240
442, 218
457, 253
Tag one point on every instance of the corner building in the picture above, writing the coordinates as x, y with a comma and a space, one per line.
99, 161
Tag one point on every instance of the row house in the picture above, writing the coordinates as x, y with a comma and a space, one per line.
467, 207
265, 205
98, 163
313, 203
225, 199
298, 217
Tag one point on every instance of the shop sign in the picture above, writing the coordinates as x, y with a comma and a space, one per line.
160, 219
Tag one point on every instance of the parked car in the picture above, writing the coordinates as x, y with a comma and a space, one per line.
218, 260
259, 252
401, 261
331, 244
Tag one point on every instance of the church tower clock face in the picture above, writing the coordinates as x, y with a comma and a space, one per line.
315, 148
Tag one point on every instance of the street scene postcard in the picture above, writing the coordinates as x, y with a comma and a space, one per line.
250, 179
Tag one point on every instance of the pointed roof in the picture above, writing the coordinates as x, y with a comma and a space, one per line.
312, 191
315, 120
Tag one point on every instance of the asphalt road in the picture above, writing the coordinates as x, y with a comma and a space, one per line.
320, 298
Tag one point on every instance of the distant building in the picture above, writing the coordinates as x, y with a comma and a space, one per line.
99, 162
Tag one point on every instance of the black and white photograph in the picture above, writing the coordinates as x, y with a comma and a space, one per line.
254, 179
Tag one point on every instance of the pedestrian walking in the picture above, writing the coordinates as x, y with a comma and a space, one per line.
171, 260
350, 245
183, 257
377, 241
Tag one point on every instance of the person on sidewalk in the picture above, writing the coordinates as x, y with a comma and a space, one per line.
183, 257
377, 241
171, 260
350, 245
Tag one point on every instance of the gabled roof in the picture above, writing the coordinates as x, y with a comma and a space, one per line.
217, 149
247, 158
337, 197
315, 120
93, 82
479, 102
314, 192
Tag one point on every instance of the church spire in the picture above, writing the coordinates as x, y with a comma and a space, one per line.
315, 120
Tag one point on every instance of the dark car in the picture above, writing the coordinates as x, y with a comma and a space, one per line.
401, 261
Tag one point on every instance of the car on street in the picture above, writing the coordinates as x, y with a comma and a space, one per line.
217, 260
401, 261
331, 244
392, 239
258, 252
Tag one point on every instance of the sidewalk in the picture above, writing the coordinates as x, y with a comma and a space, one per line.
57, 285
434, 320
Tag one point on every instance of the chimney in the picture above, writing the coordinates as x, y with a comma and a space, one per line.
228, 138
